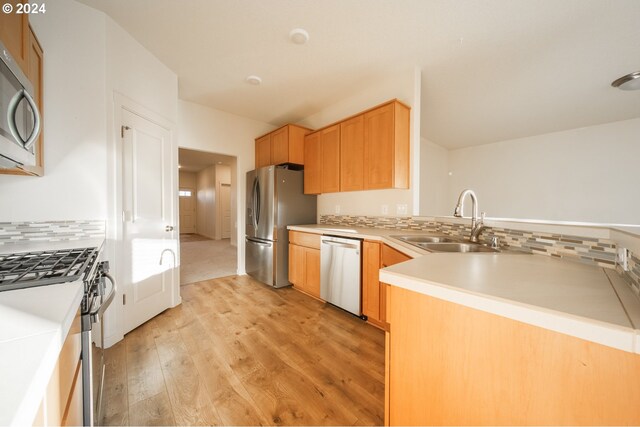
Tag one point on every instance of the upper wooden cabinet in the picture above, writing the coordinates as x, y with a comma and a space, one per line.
386, 147
372, 152
312, 166
352, 154
283, 145
263, 151
322, 161
14, 33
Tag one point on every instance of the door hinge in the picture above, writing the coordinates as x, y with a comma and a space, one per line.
124, 299
122, 129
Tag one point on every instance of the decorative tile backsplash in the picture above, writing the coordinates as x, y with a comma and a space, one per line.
587, 250
21, 232
633, 275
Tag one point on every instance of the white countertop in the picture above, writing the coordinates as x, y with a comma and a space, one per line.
34, 324
584, 301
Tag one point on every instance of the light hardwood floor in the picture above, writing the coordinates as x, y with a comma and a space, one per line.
239, 353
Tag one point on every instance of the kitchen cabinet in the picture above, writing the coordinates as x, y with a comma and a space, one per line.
14, 33
374, 293
447, 364
322, 161
33, 68
283, 145
304, 262
386, 147
263, 151
312, 165
62, 403
352, 154
367, 151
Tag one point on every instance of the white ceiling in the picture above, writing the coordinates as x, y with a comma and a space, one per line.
491, 70
195, 161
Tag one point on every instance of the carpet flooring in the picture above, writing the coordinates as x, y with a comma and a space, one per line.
204, 259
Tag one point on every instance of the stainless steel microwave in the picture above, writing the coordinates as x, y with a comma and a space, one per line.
19, 116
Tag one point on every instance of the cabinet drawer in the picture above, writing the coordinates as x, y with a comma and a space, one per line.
309, 240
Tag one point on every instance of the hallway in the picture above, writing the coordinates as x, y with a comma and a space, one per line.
203, 259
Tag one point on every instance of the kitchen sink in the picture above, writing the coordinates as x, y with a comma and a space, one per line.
416, 239
455, 247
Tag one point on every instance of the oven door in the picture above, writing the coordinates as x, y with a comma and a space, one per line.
19, 115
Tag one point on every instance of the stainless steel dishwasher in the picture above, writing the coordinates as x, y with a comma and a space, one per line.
340, 260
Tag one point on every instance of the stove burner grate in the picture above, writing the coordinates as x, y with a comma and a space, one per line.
28, 269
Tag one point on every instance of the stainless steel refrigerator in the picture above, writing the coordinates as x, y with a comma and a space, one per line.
275, 199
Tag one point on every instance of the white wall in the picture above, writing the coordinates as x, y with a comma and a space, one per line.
405, 86
73, 187
187, 180
206, 202
588, 175
434, 168
223, 176
206, 129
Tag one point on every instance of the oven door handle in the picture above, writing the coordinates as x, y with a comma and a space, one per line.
105, 304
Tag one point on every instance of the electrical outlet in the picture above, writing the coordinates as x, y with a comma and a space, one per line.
622, 258
385, 209
337, 209
401, 209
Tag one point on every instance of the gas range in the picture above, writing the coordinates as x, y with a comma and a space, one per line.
40, 268
29, 269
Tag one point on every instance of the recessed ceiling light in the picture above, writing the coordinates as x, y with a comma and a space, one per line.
629, 82
299, 36
253, 80
179, 166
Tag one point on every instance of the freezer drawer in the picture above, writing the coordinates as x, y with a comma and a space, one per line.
259, 256
340, 260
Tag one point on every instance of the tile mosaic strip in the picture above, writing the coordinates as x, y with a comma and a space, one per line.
601, 252
19, 232
633, 275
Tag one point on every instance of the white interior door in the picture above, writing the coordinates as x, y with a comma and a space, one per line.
225, 201
187, 210
148, 220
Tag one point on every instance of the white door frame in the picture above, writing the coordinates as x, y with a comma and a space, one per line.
114, 324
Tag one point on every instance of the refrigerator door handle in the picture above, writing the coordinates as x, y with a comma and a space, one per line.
257, 201
253, 203
257, 242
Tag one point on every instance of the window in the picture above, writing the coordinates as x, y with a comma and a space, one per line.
184, 193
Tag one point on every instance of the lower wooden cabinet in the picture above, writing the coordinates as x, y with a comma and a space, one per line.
447, 364
304, 262
374, 293
62, 403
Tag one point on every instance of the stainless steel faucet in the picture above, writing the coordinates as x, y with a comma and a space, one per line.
476, 225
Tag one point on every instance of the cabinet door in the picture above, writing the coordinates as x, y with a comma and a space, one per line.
388, 257
14, 33
263, 151
35, 74
352, 154
280, 146
296, 265
379, 148
371, 280
312, 164
312, 271
330, 159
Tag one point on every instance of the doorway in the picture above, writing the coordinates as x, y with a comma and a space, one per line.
208, 246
